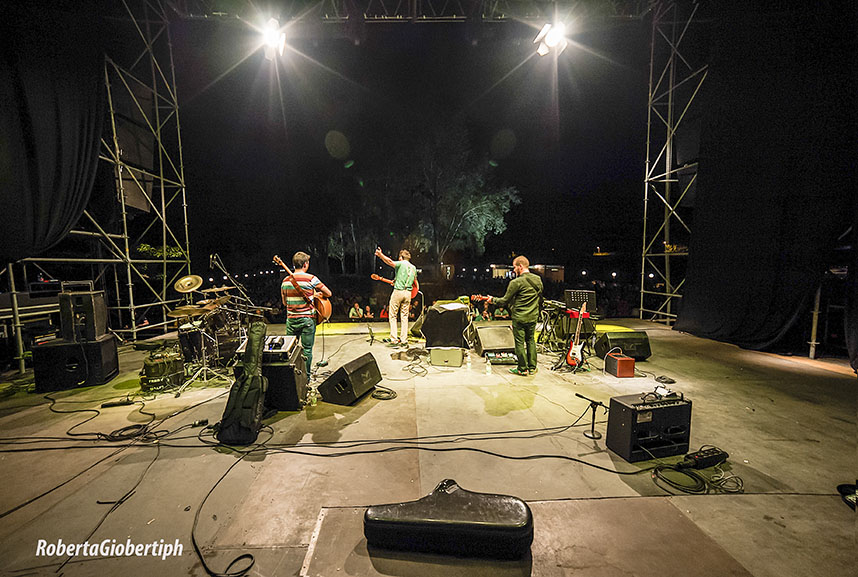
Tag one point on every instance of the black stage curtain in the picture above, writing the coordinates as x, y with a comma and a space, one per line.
775, 178
52, 104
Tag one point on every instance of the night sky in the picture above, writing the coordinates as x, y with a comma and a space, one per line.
250, 148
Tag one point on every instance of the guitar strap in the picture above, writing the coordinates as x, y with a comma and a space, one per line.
533, 284
300, 290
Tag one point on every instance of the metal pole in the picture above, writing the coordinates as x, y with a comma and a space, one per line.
815, 323
16, 320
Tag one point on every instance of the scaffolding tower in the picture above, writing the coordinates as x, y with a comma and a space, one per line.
675, 80
145, 250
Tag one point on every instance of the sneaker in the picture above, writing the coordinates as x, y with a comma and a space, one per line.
387, 340
534, 371
394, 343
515, 371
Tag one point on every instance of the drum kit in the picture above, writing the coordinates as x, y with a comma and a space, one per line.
211, 329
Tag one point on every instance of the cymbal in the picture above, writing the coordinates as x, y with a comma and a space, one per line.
216, 301
187, 311
188, 283
216, 289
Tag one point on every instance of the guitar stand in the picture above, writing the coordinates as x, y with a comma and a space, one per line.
592, 433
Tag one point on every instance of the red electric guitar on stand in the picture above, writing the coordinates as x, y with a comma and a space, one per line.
575, 354
415, 288
320, 303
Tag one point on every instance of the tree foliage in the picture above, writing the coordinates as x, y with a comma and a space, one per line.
423, 190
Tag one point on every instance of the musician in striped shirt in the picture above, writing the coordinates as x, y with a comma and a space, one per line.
300, 315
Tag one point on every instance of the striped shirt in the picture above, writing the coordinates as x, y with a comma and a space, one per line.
296, 306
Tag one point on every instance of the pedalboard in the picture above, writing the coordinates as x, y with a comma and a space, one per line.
704, 458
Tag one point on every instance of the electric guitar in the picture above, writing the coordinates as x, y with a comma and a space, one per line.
575, 354
320, 303
415, 288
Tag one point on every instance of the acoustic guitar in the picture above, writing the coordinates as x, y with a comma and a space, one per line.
575, 354
415, 288
320, 303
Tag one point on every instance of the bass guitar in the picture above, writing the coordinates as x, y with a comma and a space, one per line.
575, 354
320, 303
415, 288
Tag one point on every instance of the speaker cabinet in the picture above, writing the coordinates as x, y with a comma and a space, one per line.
445, 327
61, 365
494, 340
642, 428
287, 376
83, 316
634, 344
351, 381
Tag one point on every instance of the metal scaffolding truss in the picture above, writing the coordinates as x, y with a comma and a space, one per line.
370, 11
146, 247
675, 81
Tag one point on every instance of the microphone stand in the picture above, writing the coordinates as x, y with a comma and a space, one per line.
215, 260
592, 433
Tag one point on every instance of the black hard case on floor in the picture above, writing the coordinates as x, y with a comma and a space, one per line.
454, 521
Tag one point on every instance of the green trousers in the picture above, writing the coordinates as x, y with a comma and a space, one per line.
524, 335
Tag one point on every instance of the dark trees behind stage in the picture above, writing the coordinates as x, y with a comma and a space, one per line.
420, 188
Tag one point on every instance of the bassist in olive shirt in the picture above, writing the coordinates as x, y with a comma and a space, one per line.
522, 300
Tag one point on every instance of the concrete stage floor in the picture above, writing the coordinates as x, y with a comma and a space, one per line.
788, 424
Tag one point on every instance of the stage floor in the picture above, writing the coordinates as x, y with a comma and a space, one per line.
296, 503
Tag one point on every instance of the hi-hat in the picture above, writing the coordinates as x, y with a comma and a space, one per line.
187, 311
188, 283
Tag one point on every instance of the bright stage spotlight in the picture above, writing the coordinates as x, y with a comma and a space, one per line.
551, 38
274, 39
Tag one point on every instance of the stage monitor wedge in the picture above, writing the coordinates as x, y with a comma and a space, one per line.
633, 344
494, 339
351, 381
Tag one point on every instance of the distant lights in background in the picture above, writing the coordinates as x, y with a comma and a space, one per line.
224, 277
349, 164
651, 275
613, 275
583, 273
245, 275
211, 279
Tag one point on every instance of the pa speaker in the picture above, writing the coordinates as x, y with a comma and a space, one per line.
61, 365
83, 316
494, 340
634, 344
642, 427
351, 381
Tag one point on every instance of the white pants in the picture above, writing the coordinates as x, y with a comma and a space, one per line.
400, 305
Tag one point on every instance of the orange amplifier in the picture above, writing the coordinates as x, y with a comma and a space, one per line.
620, 365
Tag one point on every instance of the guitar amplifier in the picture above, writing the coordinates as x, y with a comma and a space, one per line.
647, 426
620, 365
446, 356
162, 370
284, 366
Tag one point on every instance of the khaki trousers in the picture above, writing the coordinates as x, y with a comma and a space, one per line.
399, 306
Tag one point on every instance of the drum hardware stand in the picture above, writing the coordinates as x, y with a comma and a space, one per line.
204, 373
593, 433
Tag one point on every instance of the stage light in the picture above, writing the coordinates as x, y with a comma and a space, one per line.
224, 277
475, 270
551, 38
211, 279
274, 39
614, 275
651, 275
583, 273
